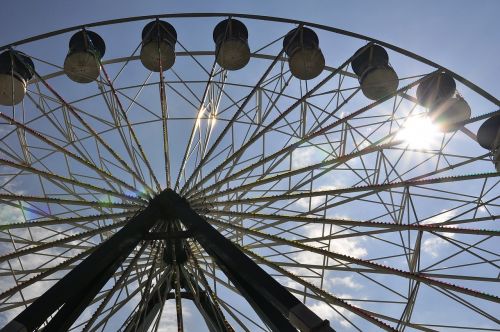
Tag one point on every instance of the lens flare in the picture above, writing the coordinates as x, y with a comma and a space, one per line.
419, 133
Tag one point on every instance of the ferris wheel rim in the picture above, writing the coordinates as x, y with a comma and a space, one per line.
236, 15
347, 33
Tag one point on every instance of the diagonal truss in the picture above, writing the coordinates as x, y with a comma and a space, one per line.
308, 180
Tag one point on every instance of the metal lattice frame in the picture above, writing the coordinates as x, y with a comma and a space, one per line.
308, 179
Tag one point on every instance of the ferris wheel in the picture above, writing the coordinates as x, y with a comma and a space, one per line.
231, 172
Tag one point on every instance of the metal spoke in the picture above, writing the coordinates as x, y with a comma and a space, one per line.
287, 204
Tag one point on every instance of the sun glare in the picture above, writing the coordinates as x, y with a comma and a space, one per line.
201, 112
419, 133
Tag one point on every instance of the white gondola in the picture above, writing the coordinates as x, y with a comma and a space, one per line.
488, 136
447, 109
449, 115
376, 77
16, 69
158, 46
82, 64
231, 44
305, 59
435, 89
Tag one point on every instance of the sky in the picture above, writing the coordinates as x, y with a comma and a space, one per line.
463, 36
459, 34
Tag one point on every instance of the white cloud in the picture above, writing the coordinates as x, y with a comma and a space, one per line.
316, 200
10, 214
324, 311
434, 245
346, 282
445, 215
303, 157
348, 246
168, 320
345, 246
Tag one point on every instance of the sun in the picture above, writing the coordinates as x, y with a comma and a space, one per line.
419, 132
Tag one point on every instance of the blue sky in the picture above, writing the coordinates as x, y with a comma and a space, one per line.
463, 36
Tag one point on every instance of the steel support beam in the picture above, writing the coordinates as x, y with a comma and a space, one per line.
213, 318
67, 299
86, 278
141, 321
276, 306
